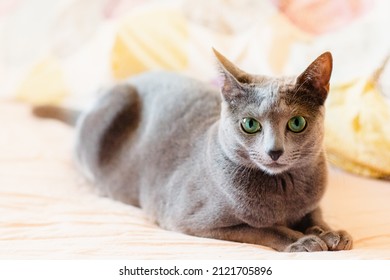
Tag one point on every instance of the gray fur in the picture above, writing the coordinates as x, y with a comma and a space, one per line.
174, 147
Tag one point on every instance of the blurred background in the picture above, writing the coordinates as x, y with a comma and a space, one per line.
61, 52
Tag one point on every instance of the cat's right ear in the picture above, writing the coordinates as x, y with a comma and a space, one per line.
233, 78
316, 77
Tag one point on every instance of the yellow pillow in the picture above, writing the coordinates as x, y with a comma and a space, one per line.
358, 128
153, 39
44, 84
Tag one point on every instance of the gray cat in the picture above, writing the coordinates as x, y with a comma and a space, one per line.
246, 164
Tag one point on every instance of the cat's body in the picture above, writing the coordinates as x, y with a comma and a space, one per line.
174, 168
174, 147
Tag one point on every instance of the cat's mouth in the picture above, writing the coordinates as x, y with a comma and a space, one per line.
271, 167
275, 167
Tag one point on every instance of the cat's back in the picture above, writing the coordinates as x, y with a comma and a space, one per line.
176, 113
172, 90
174, 102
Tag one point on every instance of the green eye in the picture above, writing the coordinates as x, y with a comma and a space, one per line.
250, 125
296, 124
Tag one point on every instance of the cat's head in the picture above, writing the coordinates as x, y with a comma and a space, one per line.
271, 123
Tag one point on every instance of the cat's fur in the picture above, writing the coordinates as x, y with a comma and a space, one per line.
174, 146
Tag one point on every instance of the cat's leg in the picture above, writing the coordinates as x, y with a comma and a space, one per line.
279, 238
313, 223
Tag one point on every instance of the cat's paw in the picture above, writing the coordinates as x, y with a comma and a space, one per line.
335, 240
307, 243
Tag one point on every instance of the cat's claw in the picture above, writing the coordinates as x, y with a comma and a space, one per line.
308, 243
341, 240
335, 240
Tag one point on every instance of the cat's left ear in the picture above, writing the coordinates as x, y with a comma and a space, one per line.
233, 78
316, 77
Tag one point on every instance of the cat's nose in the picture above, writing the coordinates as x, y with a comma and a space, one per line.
275, 154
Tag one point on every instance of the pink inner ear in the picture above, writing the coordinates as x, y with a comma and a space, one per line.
325, 66
318, 73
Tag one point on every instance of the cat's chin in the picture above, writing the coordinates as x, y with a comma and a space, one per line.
274, 168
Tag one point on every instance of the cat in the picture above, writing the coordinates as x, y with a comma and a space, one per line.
243, 164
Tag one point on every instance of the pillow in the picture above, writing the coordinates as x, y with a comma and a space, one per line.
358, 127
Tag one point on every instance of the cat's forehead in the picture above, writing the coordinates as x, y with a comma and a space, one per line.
275, 98
275, 91
272, 95
272, 88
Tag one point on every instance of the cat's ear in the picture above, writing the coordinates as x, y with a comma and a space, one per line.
316, 77
233, 78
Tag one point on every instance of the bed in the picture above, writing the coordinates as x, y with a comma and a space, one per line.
49, 211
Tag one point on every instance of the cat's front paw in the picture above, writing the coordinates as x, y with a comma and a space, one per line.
335, 240
307, 243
